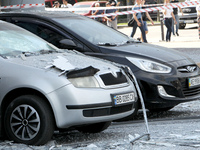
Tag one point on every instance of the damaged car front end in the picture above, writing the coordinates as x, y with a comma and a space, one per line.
44, 89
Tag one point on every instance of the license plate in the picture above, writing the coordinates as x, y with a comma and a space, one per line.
189, 21
123, 98
195, 81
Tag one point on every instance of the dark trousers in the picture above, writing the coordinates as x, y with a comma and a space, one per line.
168, 24
141, 29
198, 21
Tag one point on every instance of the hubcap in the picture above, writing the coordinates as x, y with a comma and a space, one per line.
25, 122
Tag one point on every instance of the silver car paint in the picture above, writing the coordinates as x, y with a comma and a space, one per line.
31, 73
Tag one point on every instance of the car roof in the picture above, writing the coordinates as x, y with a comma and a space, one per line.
90, 2
41, 14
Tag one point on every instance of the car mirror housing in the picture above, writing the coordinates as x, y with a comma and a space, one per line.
67, 44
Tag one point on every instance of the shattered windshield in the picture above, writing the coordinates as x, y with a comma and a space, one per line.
14, 40
93, 31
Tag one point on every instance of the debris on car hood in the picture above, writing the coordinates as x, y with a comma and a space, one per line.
65, 62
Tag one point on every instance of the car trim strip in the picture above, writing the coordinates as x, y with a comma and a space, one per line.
88, 106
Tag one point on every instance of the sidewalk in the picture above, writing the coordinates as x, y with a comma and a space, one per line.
188, 37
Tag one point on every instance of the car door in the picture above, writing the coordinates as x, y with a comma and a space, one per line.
47, 31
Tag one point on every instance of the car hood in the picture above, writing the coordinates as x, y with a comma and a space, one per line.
62, 62
148, 51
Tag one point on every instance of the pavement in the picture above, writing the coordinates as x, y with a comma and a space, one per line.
188, 37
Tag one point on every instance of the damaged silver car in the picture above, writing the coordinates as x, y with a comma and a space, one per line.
44, 89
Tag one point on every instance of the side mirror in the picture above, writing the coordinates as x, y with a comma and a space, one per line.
67, 44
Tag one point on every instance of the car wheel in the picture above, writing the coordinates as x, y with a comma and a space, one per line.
28, 120
94, 128
160, 109
182, 26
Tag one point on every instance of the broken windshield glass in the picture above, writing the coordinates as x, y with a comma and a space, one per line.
14, 41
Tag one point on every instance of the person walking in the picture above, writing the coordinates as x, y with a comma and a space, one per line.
66, 4
175, 11
144, 18
138, 21
198, 18
56, 4
98, 12
111, 20
168, 16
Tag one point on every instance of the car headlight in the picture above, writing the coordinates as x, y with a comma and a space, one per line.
85, 82
150, 66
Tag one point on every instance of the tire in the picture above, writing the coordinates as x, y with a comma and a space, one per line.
182, 26
160, 109
29, 120
94, 128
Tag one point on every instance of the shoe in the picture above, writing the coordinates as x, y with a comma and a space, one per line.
139, 39
177, 34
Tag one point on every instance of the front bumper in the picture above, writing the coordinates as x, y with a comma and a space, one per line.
175, 85
78, 106
188, 18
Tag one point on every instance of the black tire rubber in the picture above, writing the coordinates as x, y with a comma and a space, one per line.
182, 26
94, 128
37, 109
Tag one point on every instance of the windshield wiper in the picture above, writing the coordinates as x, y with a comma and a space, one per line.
107, 44
133, 41
47, 51
28, 53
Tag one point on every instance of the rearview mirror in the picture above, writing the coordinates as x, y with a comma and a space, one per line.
67, 44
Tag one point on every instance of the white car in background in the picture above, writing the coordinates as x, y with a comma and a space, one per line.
189, 15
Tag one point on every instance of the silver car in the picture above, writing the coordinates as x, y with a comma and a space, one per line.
44, 88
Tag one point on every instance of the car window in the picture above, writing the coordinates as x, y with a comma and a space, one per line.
14, 39
102, 4
81, 6
48, 4
93, 31
43, 32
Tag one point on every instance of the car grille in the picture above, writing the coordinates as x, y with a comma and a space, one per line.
189, 10
187, 69
109, 79
189, 91
107, 111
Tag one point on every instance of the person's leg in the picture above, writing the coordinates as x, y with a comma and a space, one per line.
167, 24
143, 33
169, 27
114, 24
173, 27
198, 21
177, 25
134, 28
145, 29
109, 23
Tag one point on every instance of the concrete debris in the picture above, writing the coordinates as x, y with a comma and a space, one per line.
92, 146
158, 143
62, 64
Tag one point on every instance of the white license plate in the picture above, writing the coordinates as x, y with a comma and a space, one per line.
123, 98
189, 21
194, 81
